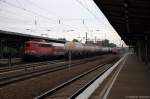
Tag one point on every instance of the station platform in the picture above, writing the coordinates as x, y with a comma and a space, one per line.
132, 82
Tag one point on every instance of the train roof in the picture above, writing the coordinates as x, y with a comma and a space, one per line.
43, 42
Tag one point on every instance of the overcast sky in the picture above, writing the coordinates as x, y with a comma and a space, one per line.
57, 19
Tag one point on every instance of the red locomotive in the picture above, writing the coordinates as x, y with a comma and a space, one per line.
36, 49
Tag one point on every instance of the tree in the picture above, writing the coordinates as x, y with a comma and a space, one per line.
112, 45
105, 42
75, 40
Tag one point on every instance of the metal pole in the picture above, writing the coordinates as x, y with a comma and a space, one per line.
127, 26
69, 60
9, 54
95, 39
9, 58
86, 38
1, 49
138, 49
146, 50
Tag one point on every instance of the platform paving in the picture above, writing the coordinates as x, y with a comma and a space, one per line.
133, 81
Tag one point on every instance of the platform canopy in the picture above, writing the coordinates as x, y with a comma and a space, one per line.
20, 37
130, 18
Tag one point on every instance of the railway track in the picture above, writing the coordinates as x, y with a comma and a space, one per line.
22, 74
73, 87
27, 65
12, 59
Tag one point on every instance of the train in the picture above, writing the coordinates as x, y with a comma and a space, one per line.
42, 49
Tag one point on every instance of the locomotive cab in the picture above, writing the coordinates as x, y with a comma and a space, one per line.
36, 49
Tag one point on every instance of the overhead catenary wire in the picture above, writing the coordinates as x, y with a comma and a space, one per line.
41, 8
37, 14
96, 7
26, 10
19, 3
52, 13
34, 13
96, 17
13, 17
108, 26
